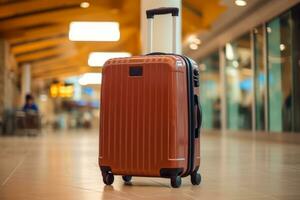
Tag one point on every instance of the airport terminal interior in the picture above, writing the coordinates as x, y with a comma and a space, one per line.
52, 55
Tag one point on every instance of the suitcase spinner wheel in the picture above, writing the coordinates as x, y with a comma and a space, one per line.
195, 178
126, 179
108, 178
176, 181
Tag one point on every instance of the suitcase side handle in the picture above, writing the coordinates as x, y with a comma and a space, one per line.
161, 11
199, 116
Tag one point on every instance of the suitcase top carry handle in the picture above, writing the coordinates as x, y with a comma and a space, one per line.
161, 11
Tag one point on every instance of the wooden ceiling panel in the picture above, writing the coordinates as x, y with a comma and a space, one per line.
127, 43
189, 26
35, 45
23, 8
37, 30
19, 36
59, 65
44, 53
32, 7
60, 16
198, 16
66, 72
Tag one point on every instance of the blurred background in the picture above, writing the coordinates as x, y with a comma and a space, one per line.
247, 52
51, 58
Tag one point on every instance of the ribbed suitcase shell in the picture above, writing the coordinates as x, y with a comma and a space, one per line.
144, 119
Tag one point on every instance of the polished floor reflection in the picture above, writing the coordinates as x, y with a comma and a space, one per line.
64, 166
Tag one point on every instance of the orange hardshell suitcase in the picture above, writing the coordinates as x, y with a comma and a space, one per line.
150, 116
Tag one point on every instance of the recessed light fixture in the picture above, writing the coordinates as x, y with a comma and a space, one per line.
90, 79
240, 3
282, 47
194, 42
94, 31
85, 4
193, 46
197, 41
194, 39
97, 59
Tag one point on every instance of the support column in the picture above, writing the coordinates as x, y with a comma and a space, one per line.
8, 89
26, 79
162, 34
2, 78
223, 90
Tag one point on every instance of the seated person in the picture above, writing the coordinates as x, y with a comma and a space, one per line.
30, 106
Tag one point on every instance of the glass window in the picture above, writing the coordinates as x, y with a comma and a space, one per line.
238, 77
296, 67
279, 73
210, 91
259, 78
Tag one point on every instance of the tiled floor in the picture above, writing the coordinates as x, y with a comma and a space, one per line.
64, 166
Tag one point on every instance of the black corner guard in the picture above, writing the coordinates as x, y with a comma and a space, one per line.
105, 169
170, 172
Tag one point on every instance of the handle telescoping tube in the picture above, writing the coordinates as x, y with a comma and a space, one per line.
161, 11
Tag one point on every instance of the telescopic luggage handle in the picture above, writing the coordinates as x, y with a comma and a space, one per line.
161, 11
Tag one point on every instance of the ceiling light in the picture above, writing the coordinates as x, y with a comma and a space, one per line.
282, 47
229, 51
193, 46
94, 31
85, 4
194, 39
90, 79
197, 41
240, 3
97, 59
